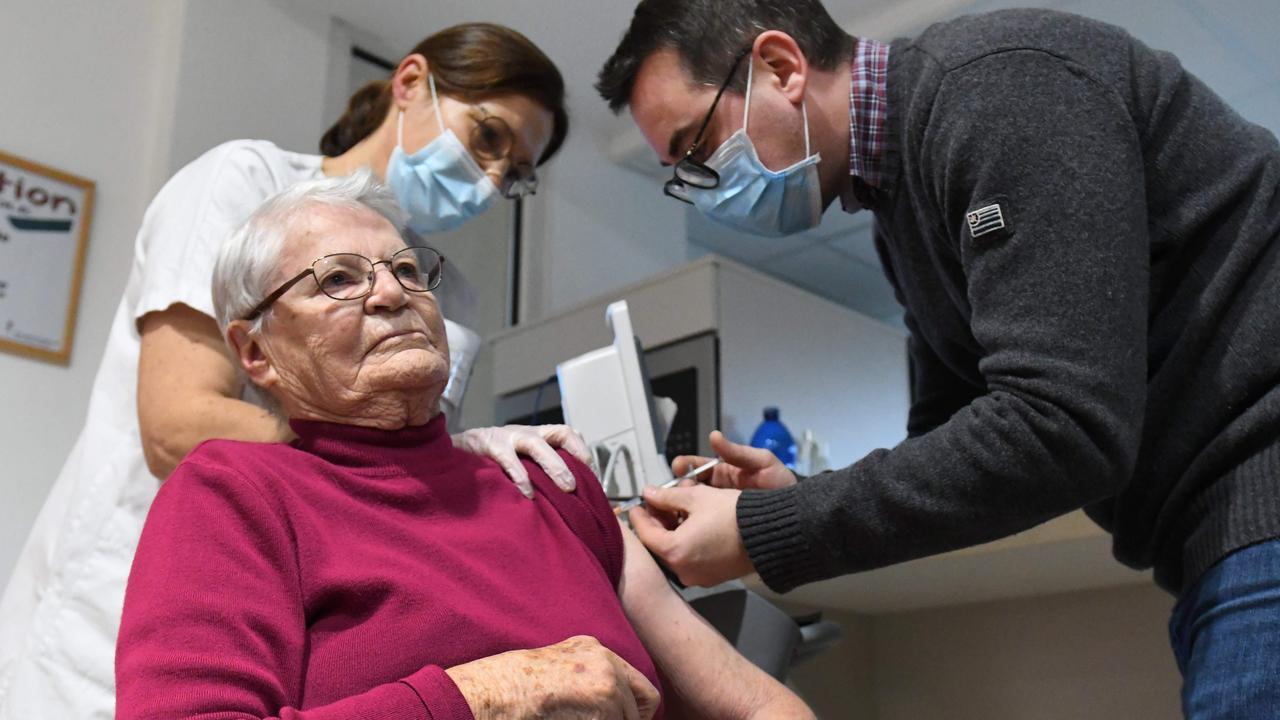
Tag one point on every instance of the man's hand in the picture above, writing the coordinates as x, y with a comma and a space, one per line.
537, 442
705, 547
575, 678
743, 466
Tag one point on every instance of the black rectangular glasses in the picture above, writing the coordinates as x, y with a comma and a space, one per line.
691, 173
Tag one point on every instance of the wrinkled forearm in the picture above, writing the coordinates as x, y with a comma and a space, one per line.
172, 431
189, 390
705, 676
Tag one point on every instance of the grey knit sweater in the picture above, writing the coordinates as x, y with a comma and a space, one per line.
1087, 243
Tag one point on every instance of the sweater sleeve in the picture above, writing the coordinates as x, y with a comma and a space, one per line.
214, 624
1058, 302
586, 511
937, 392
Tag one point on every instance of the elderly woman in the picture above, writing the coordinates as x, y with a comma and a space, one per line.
369, 569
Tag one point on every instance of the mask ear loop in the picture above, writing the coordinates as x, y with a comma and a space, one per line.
746, 107
804, 113
435, 103
435, 100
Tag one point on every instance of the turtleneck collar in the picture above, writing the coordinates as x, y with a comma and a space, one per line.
371, 450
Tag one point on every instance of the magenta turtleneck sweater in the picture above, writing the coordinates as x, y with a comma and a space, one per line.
337, 576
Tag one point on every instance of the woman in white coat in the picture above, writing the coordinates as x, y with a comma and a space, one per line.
463, 121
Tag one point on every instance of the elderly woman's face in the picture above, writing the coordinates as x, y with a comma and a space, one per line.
351, 358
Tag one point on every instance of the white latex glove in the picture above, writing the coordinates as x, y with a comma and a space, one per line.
537, 442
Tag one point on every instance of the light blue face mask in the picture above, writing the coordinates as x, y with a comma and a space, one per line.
751, 197
441, 186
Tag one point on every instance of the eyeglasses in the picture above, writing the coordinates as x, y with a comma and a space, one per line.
689, 172
491, 140
349, 276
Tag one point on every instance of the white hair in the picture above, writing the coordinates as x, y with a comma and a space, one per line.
247, 261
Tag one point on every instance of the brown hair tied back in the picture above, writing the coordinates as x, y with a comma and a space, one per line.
471, 62
365, 111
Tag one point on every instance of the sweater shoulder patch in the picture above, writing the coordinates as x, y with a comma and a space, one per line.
986, 219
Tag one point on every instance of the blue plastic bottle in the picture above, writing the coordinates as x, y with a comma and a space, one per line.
772, 435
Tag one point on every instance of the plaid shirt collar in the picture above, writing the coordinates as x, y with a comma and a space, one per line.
868, 107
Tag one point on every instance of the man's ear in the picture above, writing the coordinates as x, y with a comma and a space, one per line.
250, 354
787, 66
409, 82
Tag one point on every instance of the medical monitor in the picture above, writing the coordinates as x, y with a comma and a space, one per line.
606, 396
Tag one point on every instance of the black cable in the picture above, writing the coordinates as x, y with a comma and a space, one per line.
537, 399
517, 251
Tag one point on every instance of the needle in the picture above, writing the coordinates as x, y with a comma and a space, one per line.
637, 501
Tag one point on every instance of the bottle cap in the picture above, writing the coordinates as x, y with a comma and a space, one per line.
771, 413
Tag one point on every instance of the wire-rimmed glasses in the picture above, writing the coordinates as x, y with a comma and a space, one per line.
351, 276
491, 140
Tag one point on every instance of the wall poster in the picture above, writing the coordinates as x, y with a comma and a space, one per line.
44, 228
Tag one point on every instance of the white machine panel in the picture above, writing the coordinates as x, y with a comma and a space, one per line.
606, 397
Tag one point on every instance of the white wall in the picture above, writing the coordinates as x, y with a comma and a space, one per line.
827, 368
250, 69
594, 226
79, 98
597, 228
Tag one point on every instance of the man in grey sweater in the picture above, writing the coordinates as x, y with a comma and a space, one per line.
1086, 240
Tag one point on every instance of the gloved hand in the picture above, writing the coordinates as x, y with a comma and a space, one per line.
537, 442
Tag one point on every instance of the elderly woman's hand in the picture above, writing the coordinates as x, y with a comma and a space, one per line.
575, 678
504, 444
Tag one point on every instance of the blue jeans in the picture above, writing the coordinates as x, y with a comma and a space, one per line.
1226, 637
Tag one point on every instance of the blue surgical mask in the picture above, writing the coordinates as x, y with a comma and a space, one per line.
754, 199
441, 186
